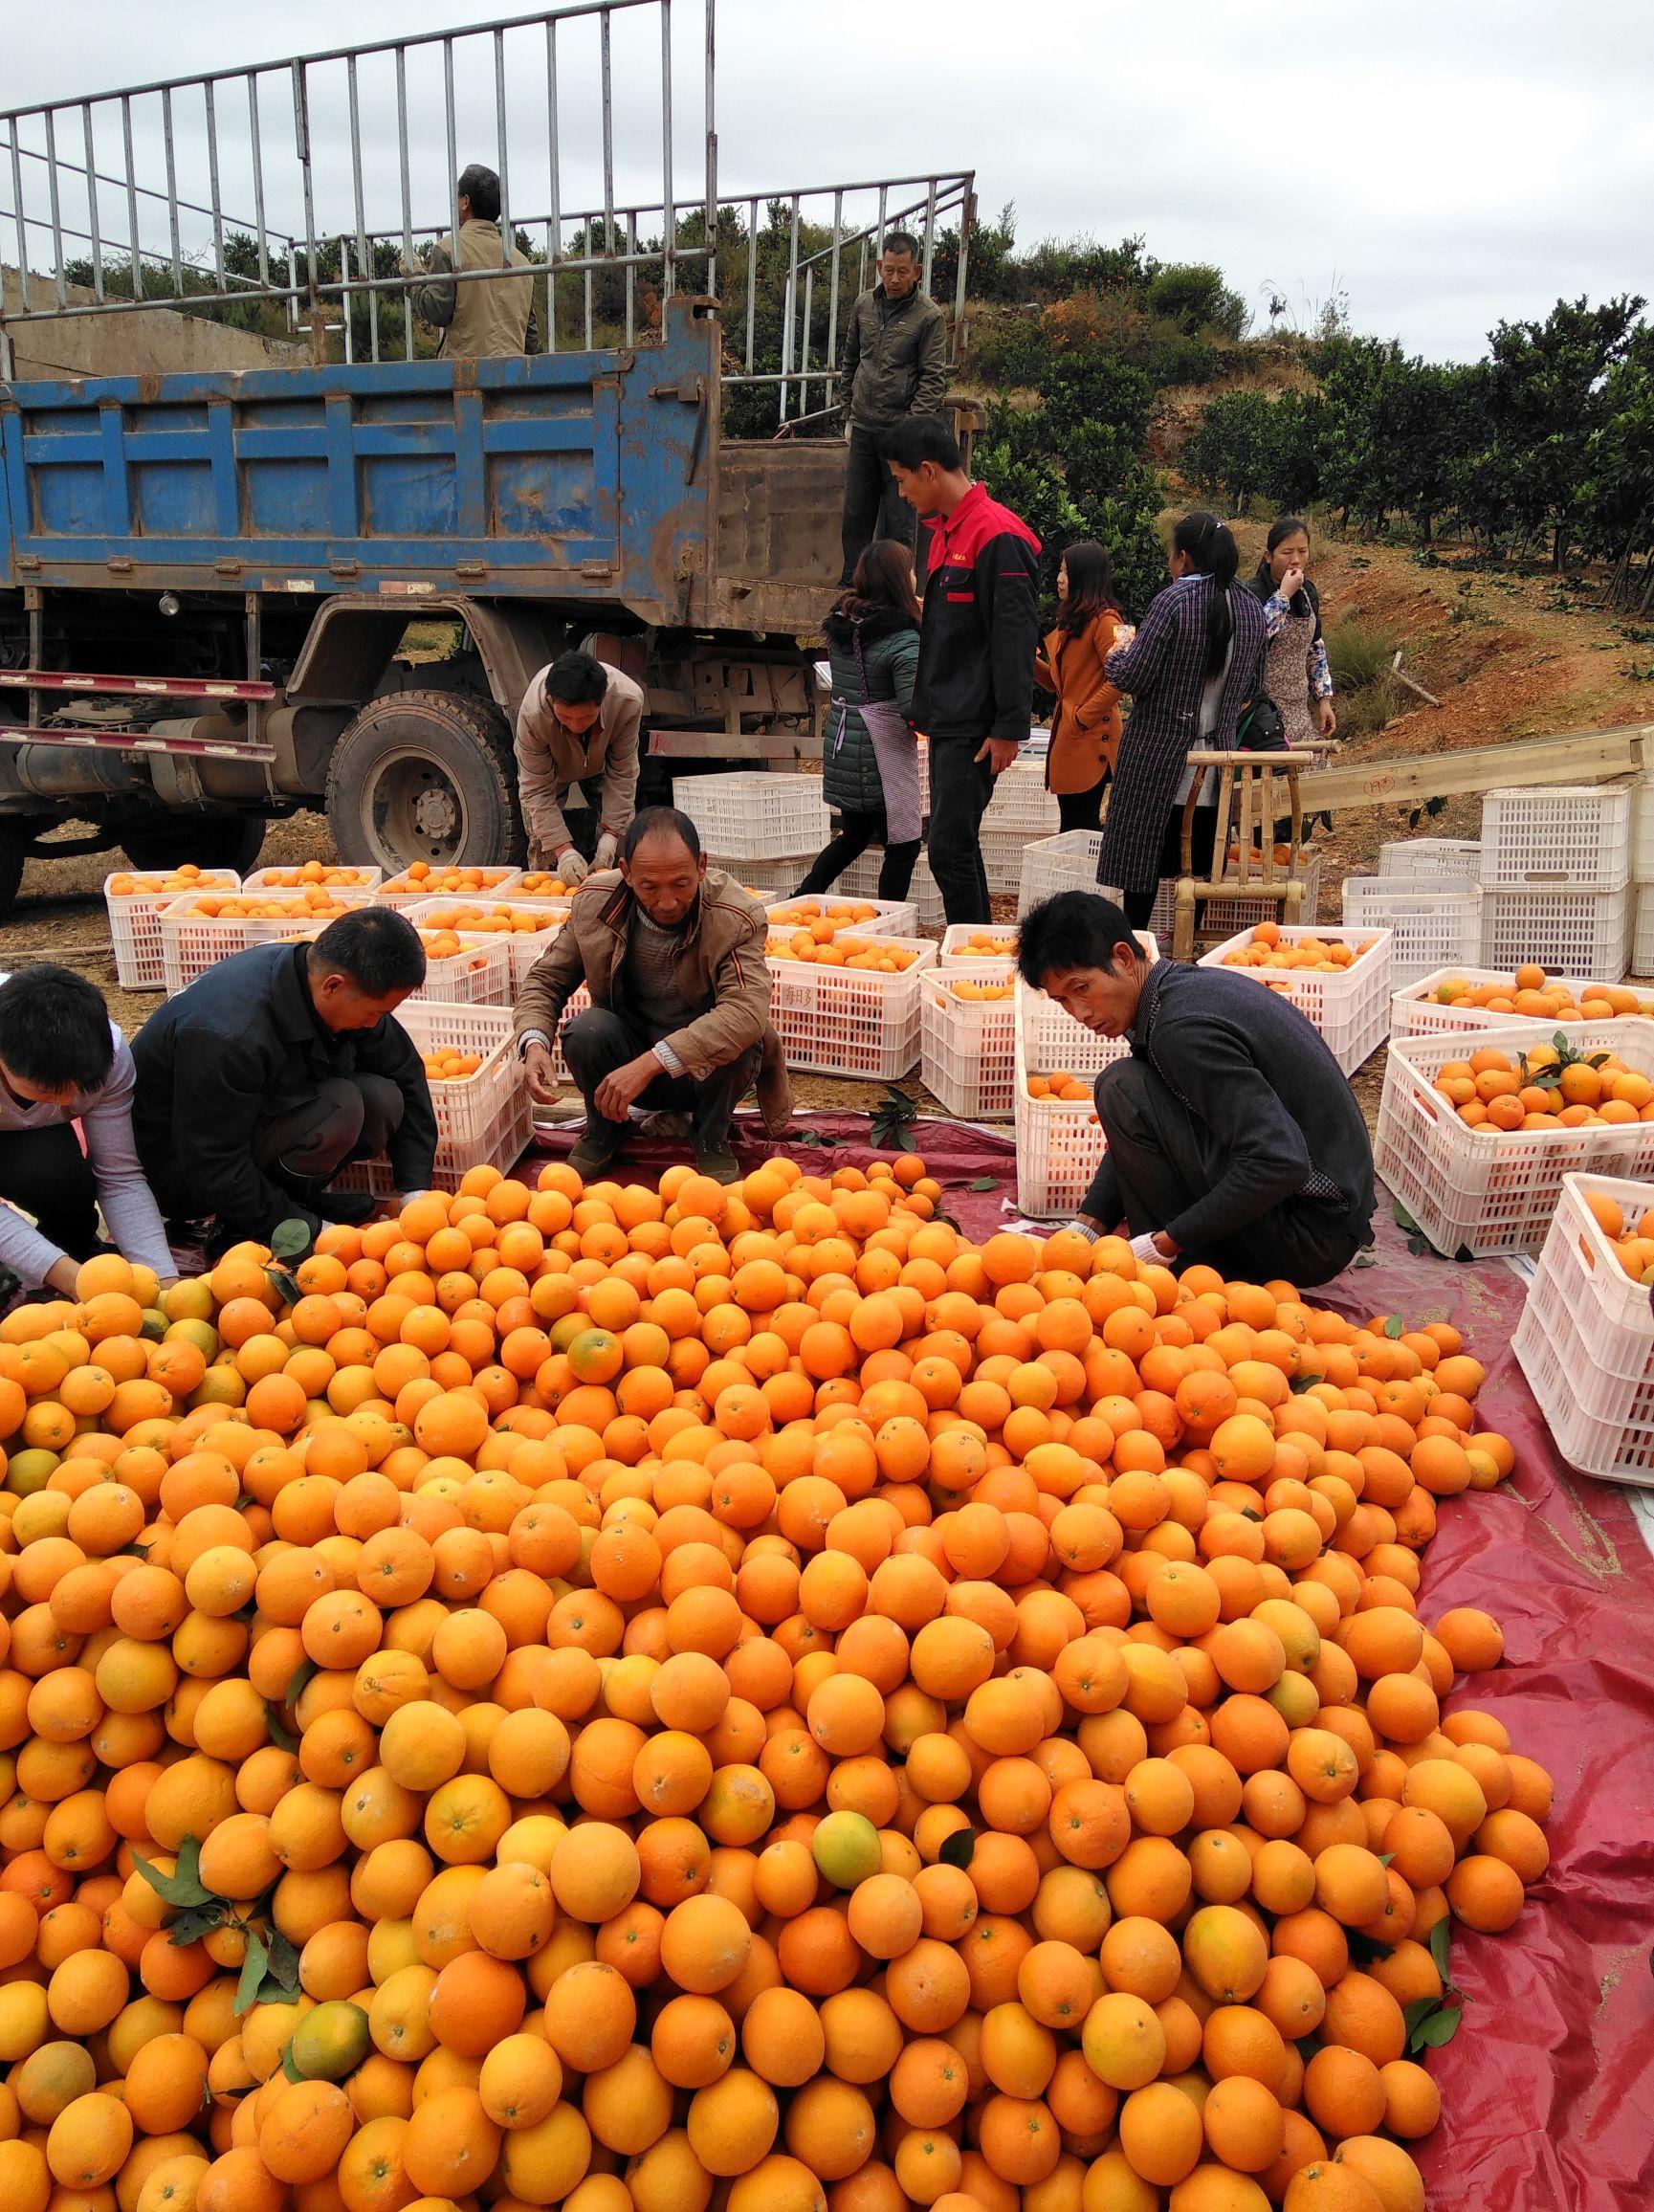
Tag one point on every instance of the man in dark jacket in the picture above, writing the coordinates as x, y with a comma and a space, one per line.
1233, 1137
972, 696
257, 1083
895, 364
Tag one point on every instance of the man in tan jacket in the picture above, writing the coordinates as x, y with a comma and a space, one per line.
673, 953
579, 721
489, 319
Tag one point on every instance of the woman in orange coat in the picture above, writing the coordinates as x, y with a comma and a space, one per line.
1085, 720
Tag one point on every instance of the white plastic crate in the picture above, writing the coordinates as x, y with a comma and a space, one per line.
1431, 924
1415, 1014
306, 919
477, 975
1059, 1144
1585, 1340
1021, 806
1483, 1190
342, 876
484, 1120
967, 1044
577, 1005
135, 920
1642, 827
1586, 933
860, 880
1003, 852
1066, 862
768, 879
844, 1021
405, 889
191, 943
890, 917
521, 945
750, 816
1445, 860
1224, 915
1642, 942
1567, 839
1351, 1008
958, 935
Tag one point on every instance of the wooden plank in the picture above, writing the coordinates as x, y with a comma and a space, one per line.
1582, 757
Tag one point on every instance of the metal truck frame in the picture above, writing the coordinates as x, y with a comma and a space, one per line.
208, 576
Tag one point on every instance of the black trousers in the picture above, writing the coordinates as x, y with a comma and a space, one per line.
350, 1118
45, 1172
1081, 810
960, 789
873, 507
854, 833
1166, 1158
1140, 905
598, 1042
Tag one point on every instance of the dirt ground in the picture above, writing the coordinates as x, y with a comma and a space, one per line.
1508, 656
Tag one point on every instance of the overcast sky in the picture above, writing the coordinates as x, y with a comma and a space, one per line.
1440, 166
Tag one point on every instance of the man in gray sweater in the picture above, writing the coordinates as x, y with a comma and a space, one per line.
895, 364
1233, 1135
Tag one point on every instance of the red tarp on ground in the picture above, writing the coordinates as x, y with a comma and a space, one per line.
1546, 2088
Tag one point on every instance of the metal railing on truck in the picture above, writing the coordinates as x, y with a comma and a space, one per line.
209, 194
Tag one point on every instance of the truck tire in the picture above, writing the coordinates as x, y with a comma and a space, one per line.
425, 775
13, 850
209, 840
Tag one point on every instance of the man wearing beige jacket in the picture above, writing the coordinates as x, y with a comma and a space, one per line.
579, 726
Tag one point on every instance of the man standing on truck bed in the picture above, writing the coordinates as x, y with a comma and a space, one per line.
490, 318
973, 692
578, 722
673, 953
262, 1079
895, 364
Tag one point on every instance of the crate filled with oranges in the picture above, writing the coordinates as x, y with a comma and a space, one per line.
425, 879
479, 1093
1059, 1137
1477, 1128
849, 1007
967, 1038
826, 916
1461, 998
1338, 979
326, 875
133, 902
1585, 1340
202, 927
975, 941
522, 927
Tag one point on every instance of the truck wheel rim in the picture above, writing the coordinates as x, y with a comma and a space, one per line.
415, 809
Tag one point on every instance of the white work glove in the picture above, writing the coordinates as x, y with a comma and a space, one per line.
608, 851
1146, 1253
571, 865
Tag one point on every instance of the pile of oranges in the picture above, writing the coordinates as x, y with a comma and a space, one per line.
445, 944
883, 956
188, 877
1268, 948
315, 901
538, 883
1529, 992
1544, 1089
1070, 1088
445, 1065
419, 879
494, 920
1633, 1247
315, 872
817, 915
986, 944
647, 1699
969, 989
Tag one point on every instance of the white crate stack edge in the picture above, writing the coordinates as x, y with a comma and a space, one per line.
1445, 860
1557, 837
1585, 1340
135, 923
483, 1121
1431, 924
1483, 1191
1583, 932
1414, 1011
968, 1045
1350, 1007
844, 1021
1643, 938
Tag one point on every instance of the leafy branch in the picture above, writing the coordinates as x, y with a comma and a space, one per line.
1434, 2021
893, 1121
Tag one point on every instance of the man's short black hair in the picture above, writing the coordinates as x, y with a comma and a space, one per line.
481, 187
912, 440
660, 822
378, 948
1075, 929
901, 242
575, 679
55, 1029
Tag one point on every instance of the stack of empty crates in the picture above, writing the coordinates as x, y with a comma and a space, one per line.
1426, 895
762, 828
1643, 874
1555, 878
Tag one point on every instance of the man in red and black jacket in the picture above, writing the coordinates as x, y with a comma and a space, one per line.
974, 688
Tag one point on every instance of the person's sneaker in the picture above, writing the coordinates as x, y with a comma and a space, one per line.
718, 1161
665, 1127
592, 1161
774, 1087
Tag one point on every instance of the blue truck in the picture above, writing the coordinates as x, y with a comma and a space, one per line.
210, 577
